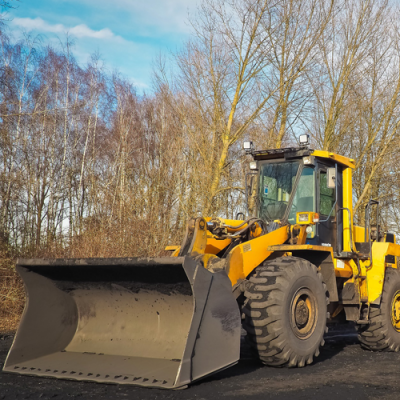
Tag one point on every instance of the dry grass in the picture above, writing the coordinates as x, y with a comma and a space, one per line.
96, 241
12, 295
135, 239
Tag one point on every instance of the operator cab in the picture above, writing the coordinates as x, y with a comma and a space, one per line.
288, 181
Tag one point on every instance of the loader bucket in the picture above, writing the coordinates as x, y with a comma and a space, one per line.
160, 322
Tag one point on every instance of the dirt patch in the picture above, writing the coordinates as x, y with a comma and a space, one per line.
5, 343
343, 371
349, 373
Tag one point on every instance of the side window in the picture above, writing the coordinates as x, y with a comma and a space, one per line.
326, 196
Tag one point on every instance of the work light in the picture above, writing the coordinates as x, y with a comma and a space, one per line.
304, 139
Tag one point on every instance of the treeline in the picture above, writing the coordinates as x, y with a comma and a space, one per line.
82, 154
89, 167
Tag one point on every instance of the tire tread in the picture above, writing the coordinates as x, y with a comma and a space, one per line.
379, 335
262, 311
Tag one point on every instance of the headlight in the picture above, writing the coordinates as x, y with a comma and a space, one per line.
253, 165
303, 217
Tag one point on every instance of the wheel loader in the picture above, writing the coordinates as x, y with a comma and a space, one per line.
295, 264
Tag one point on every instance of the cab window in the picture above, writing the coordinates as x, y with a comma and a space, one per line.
305, 193
304, 198
326, 196
276, 184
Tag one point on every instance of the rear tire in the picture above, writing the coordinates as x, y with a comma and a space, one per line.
285, 312
383, 332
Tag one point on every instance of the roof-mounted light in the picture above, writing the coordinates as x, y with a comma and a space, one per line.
248, 147
253, 165
304, 139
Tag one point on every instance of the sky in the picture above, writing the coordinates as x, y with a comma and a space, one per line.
128, 34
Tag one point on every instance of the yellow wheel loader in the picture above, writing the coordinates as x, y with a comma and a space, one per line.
283, 273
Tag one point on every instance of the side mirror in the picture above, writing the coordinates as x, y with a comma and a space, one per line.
331, 178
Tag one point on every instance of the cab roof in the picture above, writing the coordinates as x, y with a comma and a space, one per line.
299, 152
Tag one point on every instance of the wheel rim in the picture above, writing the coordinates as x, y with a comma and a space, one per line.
304, 313
396, 311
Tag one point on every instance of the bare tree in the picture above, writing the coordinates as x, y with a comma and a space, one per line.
294, 29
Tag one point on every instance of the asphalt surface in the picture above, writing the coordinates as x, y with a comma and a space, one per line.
343, 371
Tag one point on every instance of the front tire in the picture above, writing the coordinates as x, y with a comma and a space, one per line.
383, 332
286, 311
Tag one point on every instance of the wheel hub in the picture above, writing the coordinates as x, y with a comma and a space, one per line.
303, 312
396, 311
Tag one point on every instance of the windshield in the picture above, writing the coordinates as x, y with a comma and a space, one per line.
304, 198
276, 184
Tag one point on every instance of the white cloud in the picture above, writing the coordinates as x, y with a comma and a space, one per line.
126, 33
80, 31
154, 16
83, 31
117, 52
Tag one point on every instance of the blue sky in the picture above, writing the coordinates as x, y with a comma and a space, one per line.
128, 34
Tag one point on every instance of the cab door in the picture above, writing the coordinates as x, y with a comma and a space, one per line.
326, 208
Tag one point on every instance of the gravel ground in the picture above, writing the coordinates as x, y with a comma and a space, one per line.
342, 371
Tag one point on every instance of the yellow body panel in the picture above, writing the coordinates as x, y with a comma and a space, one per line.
245, 257
293, 247
348, 162
214, 246
376, 273
358, 233
347, 203
343, 268
393, 250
